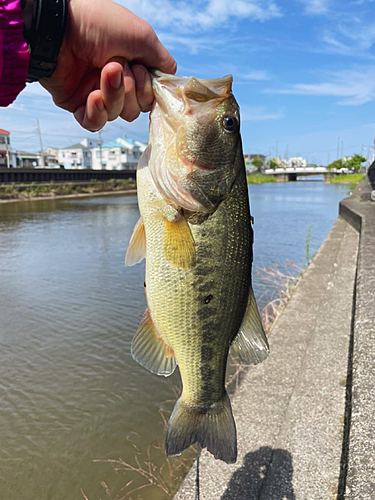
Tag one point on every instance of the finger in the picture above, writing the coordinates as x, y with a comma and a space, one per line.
143, 87
131, 109
112, 87
93, 115
78, 98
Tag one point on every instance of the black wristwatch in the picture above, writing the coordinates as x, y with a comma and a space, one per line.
44, 36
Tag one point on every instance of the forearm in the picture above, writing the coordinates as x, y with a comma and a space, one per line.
14, 56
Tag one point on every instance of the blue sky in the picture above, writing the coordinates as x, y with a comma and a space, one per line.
304, 74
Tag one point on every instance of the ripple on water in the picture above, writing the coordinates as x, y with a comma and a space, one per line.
70, 392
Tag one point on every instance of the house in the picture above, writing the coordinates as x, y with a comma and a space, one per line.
77, 155
296, 162
5, 155
51, 157
26, 160
121, 154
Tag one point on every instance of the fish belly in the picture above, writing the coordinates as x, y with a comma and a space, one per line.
198, 311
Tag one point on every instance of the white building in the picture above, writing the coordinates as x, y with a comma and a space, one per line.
5, 155
121, 154
77, 155
296, 162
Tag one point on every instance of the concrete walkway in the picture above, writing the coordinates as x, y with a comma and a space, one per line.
359, 439
290, 410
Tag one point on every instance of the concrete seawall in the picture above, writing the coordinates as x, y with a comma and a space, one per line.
303, 416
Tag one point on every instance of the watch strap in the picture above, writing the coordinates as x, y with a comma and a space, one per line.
45, 37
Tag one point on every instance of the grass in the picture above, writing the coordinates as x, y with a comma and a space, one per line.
347, 179
34, 190
260, 179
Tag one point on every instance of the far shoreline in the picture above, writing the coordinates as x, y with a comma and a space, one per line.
70, 196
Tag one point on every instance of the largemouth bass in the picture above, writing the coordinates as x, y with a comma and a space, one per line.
196, 235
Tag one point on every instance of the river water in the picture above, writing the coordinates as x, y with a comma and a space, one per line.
70, 393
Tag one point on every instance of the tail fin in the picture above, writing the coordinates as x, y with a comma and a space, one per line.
213, 429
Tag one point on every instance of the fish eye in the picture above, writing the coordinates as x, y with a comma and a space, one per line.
230, 123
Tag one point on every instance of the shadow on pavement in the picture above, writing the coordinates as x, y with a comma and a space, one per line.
249, 481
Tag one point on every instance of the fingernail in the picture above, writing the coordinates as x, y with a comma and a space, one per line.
116, 80
100, 104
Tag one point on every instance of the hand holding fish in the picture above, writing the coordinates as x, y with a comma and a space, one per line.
101, 72
196, 236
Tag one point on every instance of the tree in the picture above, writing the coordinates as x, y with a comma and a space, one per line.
355, 162
272, 163
336, 165
257, 162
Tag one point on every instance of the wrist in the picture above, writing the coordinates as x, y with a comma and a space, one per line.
44, 29
27, 8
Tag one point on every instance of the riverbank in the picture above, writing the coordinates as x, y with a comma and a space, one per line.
38, 191
260, 179
347, 179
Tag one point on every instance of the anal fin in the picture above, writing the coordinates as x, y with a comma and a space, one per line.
251, 344
136, 251
149, 349
178, 243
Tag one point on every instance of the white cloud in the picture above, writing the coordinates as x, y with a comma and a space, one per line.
257, 75
356, 87
259, 113
351, 39
316, 6
200, 14
35, 90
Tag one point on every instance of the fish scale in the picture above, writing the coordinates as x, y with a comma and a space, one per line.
196, 235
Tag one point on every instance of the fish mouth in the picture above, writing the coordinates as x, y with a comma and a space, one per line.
173, 93
219, 86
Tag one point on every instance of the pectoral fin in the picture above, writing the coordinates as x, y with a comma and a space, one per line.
136, 251
251, 343
149, 349
178, 243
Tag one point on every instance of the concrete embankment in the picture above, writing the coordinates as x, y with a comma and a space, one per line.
296, 413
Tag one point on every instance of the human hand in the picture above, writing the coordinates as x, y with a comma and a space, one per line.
101, 72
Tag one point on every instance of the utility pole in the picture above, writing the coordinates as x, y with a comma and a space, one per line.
40, 143
7, 150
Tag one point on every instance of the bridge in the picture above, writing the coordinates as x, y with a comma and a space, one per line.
291, 174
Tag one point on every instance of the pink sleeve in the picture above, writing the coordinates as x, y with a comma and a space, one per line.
14, 56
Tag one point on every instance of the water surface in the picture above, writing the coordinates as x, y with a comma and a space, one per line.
70, 393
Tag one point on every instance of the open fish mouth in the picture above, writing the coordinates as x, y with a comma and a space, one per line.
176, 94
220, 86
